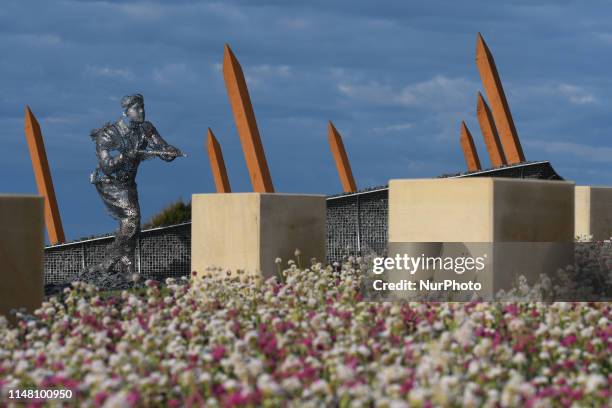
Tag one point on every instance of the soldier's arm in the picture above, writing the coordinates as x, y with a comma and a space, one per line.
156, 142
109, 163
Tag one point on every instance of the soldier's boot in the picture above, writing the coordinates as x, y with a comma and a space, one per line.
128, 268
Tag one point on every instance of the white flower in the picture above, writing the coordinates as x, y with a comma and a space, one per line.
255, 367
519, 358
483, 347
116, 400
396, 403
230, 384
291, 384
465, 334
417, 396
187, 378
205, 377
526, 389
516, 324
319, 387
492, 397
21, 367
603, 322
469, 396
594, 382
363, 350
344, 373
474, 367
267, 384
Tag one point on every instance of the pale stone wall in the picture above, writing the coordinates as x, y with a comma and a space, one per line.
594, 212
21, 252
525, 226
248, 231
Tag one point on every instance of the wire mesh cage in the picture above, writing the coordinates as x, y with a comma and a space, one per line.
356, 225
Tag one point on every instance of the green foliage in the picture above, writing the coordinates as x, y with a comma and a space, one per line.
175, 213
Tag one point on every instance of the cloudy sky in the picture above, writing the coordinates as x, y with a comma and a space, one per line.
396, 78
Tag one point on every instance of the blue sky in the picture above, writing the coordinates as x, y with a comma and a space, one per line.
396, 78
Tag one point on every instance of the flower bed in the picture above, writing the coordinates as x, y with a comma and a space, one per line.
306, 341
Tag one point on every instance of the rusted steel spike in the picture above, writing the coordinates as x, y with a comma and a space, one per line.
341, 159
217, 164
501, 111
469, 149
246, 124
42, 174
489, 132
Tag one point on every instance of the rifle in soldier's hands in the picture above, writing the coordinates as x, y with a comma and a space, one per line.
173, 153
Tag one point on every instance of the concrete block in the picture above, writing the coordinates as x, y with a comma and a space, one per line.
248, 231
21, 252
523, 226
593, 212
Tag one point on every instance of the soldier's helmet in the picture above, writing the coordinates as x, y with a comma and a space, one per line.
130, 100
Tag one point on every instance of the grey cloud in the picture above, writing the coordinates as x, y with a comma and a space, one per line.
573, 150
396, 78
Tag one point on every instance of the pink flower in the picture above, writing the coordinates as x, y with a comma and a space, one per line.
133, 397
195, 399
153, 284
307, 342
99, 398
40, 360
308, 373
512, 309
66, 382
351, 361
235, 399
569, 364
496, 339
406, 386
254, 398
568, 340
547, 392
218, 390
218, 353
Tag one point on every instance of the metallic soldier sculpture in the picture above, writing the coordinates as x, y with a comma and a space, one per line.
120, 147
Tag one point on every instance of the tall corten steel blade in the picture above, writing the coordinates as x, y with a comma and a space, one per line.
501, 111
341, 159
246, 123
42, 174
217, 164
489, 132
469, 149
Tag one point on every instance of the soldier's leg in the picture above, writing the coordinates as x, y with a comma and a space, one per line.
118, 203
113, 253
130, 231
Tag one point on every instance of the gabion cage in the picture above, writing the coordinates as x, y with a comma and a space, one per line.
160, 253
356, 225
